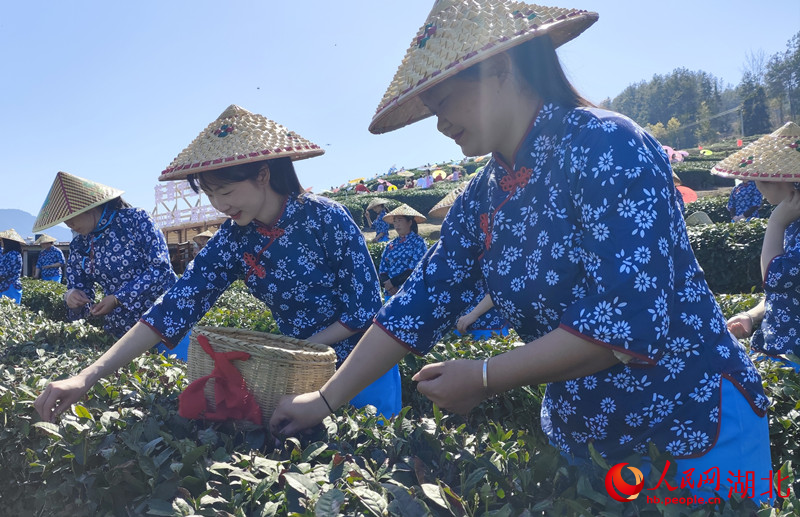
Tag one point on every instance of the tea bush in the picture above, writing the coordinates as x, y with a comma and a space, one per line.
124, 450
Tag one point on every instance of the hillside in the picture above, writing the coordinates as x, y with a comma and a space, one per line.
22, 222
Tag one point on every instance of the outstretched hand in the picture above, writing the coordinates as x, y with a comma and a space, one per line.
60, 395
297, 413
453, 385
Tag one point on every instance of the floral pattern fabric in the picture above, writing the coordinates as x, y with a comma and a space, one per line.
584, 233
490, 320
10, 270
745, 198
128, 257
381, 227
51, 255
311, 268
401, 254
780, 330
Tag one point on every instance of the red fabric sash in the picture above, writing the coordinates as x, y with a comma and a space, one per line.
233, 400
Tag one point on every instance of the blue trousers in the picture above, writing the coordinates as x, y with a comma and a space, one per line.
181, 350
385, 394
13, 293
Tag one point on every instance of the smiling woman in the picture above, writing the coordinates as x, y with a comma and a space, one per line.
300, 254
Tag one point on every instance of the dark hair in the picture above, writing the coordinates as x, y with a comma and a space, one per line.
282, 176
541, 70
9, 245
115, 204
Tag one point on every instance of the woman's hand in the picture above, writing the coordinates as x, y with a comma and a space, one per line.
741, 325
787, 210
453, 385
76, 298
296, 413
60, 395
465, 321
390, 288
106, 305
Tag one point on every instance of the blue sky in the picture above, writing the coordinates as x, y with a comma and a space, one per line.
113, 91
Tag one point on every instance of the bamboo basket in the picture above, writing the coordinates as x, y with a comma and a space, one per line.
278, 365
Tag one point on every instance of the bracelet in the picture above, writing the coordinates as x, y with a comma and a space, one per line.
486, 373
325, 400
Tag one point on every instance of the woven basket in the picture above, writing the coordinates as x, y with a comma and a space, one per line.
278, 365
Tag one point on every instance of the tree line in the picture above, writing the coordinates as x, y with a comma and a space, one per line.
687, 108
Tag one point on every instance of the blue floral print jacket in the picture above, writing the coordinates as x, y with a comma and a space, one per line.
583, 233
10, 271
381, 227
400, 255
311, 268
745, 199
128, 257
780, 330
51, 255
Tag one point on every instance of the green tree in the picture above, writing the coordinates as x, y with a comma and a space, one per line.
703, 132
755, 113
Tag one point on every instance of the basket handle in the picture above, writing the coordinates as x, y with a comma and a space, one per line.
233, 399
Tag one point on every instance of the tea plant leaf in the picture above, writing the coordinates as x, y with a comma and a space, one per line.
82, 412
404, 504
50, 429
301, 483
313, 450
372, 501
329, 503
433, 493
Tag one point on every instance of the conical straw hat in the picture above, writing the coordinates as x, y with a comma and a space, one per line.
773, 157
44, 238
206, 233
235, 137
441, 208
404, 210
460, 33
377, 202
12, 235
70, 196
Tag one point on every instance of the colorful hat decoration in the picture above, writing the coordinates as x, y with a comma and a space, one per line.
44, 238
459, 33
441, 208
235, 137
12, 235
404, 209
773, 157
378, 201
207, 234
69, 196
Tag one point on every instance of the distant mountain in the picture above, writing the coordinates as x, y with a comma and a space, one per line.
23, 222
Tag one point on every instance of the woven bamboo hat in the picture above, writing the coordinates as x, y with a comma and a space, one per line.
207, 234
70, 196
460, 33
44, 238
12, 235
441, 208
404, 210
378, 201
773, 157
235, 137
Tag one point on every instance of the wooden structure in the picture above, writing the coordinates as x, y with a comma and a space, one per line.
181, 213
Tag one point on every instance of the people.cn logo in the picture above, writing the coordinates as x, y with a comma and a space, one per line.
618, 488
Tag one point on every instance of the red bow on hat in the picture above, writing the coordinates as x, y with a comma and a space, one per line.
233, 400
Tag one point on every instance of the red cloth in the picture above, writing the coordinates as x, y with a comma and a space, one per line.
233, 400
